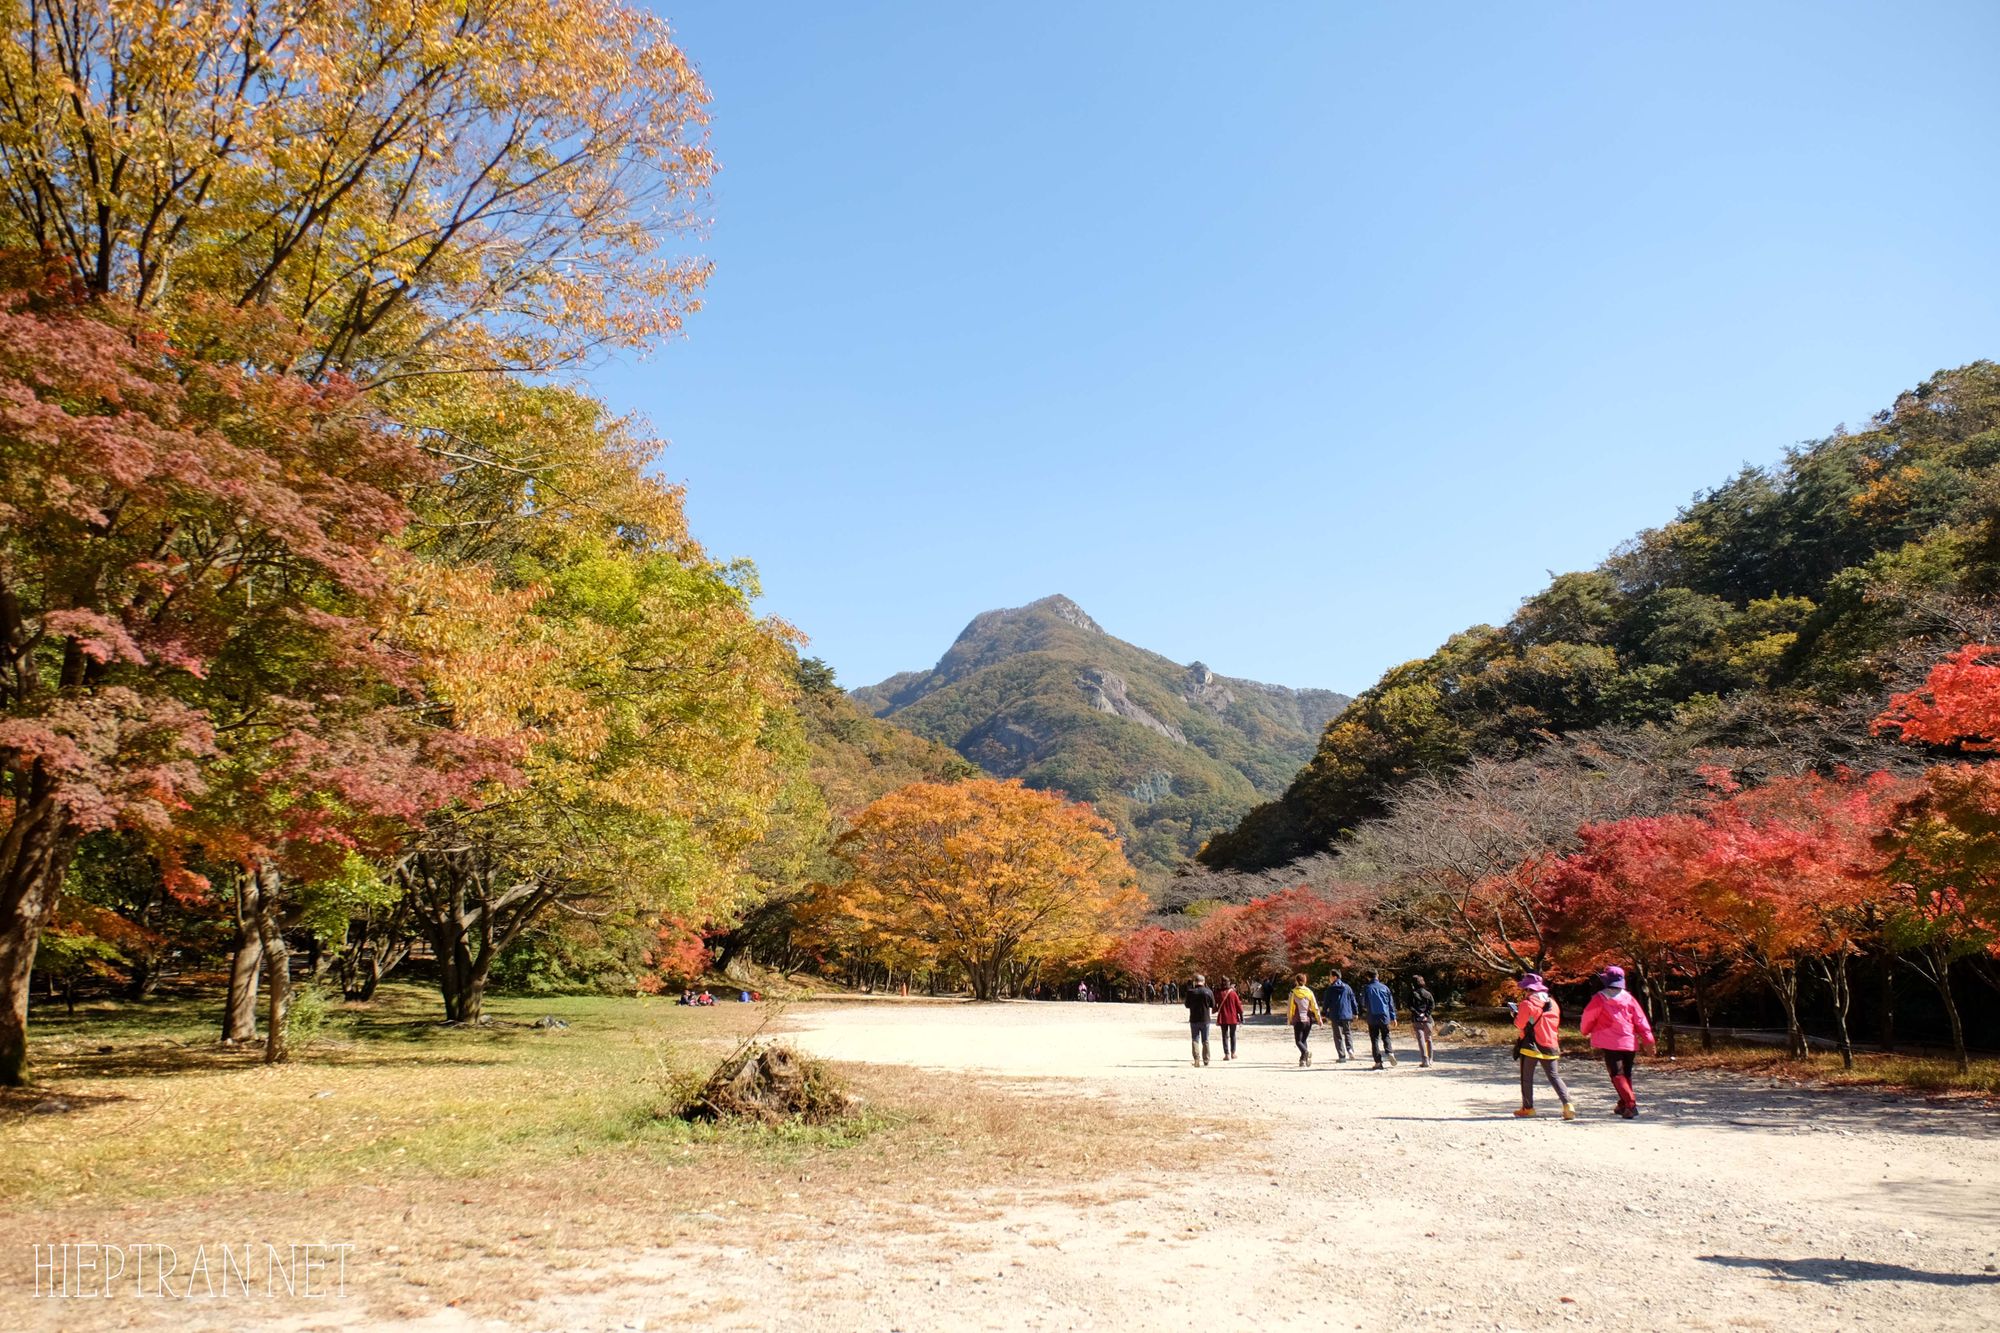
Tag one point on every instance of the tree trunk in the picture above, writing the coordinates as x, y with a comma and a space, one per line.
1785, 983
277, 966
1658, 1011
1835, 971
1941, 972
1888, 1028
246, 964
1701, 1012
35, 849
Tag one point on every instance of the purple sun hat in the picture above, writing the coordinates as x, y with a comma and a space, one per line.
1532, 981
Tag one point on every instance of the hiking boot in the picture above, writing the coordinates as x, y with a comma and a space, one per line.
1524, 1113
1392, 1059
1197, 1064
1569, 1112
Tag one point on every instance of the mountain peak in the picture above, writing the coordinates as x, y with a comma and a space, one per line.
1169, 753
1065, 609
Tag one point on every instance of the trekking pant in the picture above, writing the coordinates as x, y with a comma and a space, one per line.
1228, 1040
1422, 1029
1528, 1063
1378, 1041
1198, 1038
1301, 1036
1619, 1065
1343, 1037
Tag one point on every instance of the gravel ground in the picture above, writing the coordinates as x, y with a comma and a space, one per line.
1329, 1198
1403, 1199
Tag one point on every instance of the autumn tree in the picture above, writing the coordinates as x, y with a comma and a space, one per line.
556, 597
419, 184
161, 509
986, 875
1783, 875
1942, 842
1471, 856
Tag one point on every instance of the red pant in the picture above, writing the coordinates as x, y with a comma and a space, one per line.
1619, 1065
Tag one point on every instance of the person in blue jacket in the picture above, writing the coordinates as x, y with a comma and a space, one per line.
1381, 1008
1340, 1006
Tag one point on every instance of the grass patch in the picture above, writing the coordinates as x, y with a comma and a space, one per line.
475, 1166
1900, 1073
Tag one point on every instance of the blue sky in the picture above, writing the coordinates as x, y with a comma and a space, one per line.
1294, 337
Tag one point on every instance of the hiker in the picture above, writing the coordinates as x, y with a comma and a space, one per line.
1616, 1025
1303, 1011
1423, 1010
1538, 1021
1256, 996
1200, 1002
1341, 1007
1228, 1015
1381, 1007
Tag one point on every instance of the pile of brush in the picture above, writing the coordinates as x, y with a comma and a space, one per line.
769, 1084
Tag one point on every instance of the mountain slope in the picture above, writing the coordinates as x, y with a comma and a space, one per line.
1169, 753
1772, 611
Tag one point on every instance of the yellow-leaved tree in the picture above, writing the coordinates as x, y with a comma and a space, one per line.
989, 877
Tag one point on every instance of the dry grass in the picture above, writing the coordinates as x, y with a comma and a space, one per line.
472, 1167
1902, 1073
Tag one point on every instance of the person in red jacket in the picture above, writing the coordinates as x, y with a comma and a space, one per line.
1617, 1025
1538, 1020
1228, 1013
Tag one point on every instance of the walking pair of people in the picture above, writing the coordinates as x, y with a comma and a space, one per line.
1228, 1011
1375, 1002
1615, 1023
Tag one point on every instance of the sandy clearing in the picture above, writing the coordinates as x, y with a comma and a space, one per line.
1408, 1199
1330, 1198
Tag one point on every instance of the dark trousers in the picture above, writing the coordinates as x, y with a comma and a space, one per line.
1228, 1039
1198, 1038
1301, 1037
1343, 1037
1528, 1064
1619, 1065
1378, 1041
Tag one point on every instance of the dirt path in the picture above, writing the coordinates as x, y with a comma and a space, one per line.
1279, 1199
1402, 1199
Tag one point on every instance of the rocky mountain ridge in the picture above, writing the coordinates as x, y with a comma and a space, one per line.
1169, 752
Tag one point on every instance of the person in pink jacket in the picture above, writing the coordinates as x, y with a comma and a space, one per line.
1616, 1025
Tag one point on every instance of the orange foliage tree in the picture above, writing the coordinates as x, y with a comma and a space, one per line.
1943, 837
987, 877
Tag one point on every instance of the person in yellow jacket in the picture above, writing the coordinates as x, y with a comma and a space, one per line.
1303, 1012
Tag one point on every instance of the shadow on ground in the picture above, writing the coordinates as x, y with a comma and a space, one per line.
1832, 1272
1710, 1099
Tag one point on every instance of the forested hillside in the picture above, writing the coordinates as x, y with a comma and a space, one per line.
1168, 752
1774, 610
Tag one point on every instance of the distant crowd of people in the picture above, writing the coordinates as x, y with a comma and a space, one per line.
1614, 1023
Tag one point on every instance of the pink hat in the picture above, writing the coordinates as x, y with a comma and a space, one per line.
1614, 976
1533, 981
